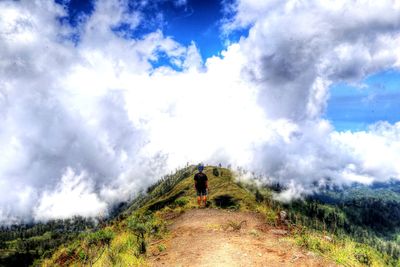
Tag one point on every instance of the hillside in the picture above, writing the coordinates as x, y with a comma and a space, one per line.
374, 208
162, 226
151, 226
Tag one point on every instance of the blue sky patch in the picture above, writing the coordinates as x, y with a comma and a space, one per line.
354, 108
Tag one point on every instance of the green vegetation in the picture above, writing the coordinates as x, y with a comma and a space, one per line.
121, 243
333, 228
370, 215
343, 250
20, 245
94, 245
182, 201
141, 226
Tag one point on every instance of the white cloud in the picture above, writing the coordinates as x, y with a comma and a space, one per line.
94, 122
295, 50
74, 195
377, 150
180, 2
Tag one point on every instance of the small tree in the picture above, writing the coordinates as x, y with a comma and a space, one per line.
93, 242
259, 196
140, 225
216, 172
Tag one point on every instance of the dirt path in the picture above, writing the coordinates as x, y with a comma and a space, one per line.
201, 237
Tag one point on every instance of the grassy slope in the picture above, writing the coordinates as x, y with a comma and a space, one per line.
118, 245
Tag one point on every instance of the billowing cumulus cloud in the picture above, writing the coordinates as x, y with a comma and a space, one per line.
88, 123
295, 50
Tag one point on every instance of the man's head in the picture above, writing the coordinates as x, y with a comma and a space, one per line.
200, 167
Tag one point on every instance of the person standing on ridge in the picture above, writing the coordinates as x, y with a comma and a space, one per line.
201, 185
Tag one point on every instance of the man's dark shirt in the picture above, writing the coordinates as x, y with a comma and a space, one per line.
201, 180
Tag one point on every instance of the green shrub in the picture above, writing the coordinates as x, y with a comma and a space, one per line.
141, 226
101, 238
363, 257
182, 201
259, 196
94, 245
269, 214
82, 255
161, 247
216, 172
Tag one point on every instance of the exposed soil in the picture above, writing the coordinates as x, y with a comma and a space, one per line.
207, 237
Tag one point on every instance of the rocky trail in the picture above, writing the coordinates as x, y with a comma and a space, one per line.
211, 237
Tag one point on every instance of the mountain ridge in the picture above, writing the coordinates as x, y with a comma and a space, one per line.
126, 238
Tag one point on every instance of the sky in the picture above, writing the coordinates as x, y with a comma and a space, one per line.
99, 99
